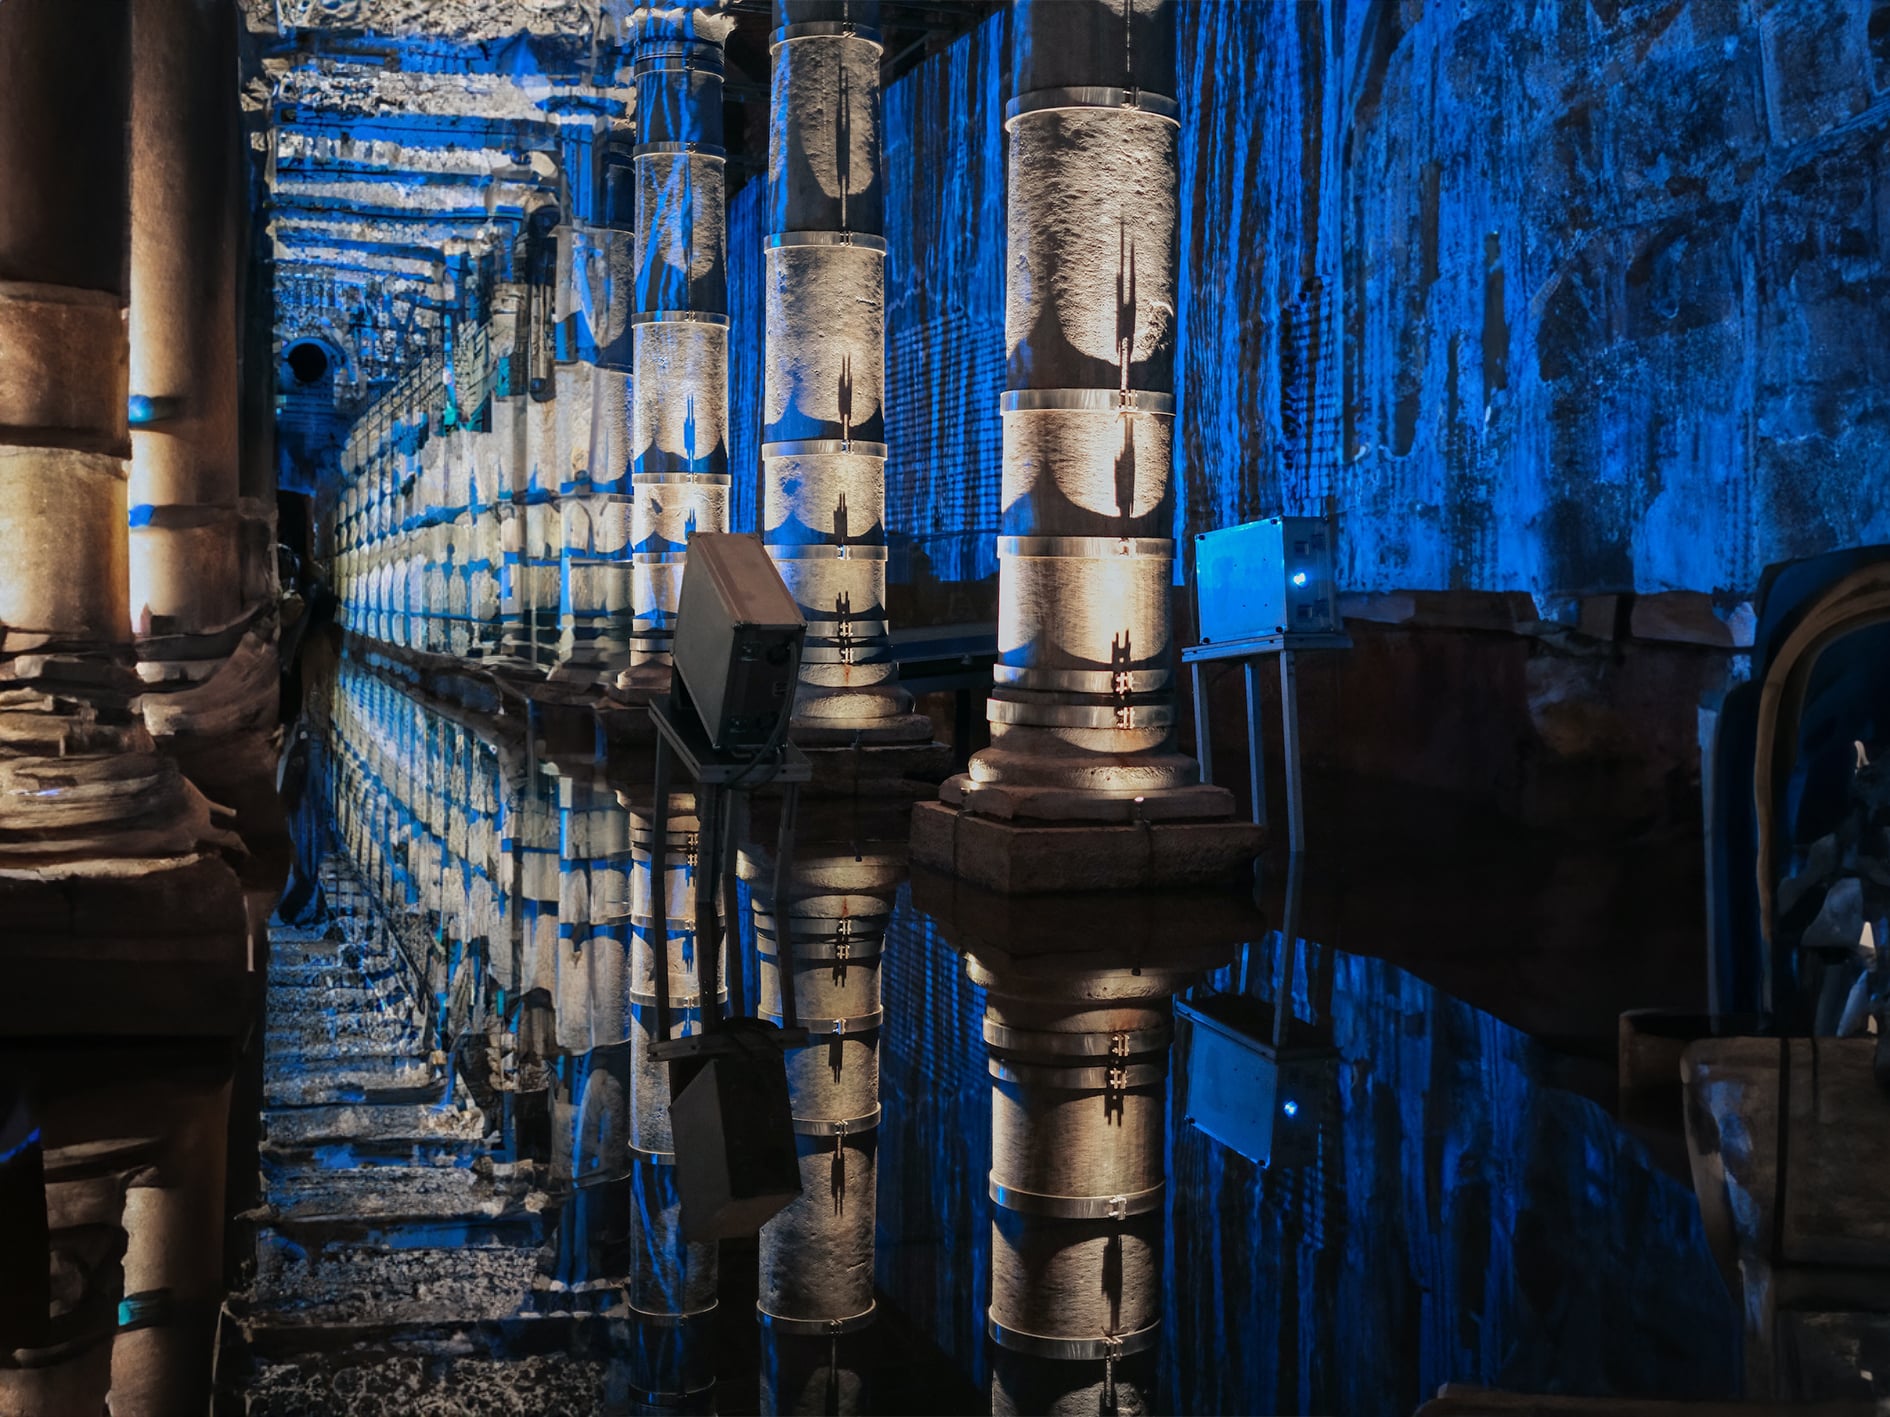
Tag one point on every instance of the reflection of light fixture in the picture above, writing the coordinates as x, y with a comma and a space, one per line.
1299, 578
1291, 1109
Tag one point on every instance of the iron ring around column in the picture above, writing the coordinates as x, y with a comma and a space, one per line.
1150, 401
1116, 1207
824, 29
675, 149
1037, 1345
833, 1027
814, 551
1066, 1079
815, 1328
647, 999
1094, 548
1084, 1045
655, 1158
813, 447
1079, 715
657, 1320
1139, 101
838, 1126
824, 950
1079, 681
697, 56
860, 240
679, 317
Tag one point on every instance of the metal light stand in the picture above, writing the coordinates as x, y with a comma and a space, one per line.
1249, 653
723, 781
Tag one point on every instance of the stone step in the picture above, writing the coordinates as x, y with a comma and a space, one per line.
387, 1287
548, 1385
414, 1123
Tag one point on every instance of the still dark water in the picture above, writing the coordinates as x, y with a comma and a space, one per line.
471, 1198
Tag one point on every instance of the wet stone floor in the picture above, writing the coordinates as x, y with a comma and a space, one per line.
1145, 1154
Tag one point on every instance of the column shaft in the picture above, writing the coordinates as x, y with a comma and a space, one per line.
679, 334
823, 445
1084, 696
78, 779
186, 193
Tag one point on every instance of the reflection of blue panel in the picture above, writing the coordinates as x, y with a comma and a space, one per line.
1268, 1103
1231, 1085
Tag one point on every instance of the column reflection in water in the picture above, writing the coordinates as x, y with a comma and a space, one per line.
816, 1282
520, 893
1077, 1023
672, 1283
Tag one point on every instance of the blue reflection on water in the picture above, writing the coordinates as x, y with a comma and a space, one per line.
1458, 1220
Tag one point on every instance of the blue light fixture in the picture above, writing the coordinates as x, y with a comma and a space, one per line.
1299, 578
1290, 1107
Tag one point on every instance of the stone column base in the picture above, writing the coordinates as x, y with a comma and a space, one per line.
1026, 855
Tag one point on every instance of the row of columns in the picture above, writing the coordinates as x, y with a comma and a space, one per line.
1083, 705
529, 893
520, 554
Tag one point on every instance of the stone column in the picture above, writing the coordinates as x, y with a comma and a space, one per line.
817, 1254
1084, 695
1079, 1103
598, 511
679, 438
78, 776
823, 445
161, 1360
66, 1365
186, 196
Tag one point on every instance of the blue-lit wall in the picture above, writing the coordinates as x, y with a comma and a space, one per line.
944, 143
1566, 298
747, 309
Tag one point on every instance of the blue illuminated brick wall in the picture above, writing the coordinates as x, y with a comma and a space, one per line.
944, 145
1565, 299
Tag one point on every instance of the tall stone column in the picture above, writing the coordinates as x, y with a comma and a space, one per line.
598, 510
817, 1254
1079, 1107
823, 445
1084, 694
79, 781
186, 193
679, 335
1083, 708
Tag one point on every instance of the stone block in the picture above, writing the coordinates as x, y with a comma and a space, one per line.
1032, 859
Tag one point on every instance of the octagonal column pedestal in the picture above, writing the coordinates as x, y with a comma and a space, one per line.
83, 792
1078, 1024
1083, 709
823, 447
679, 328
816, 1284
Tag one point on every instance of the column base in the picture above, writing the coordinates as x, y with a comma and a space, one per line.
873, 767
1025, 856
647, 678
1055, 806
838, 733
